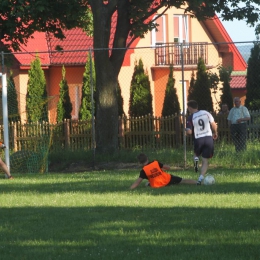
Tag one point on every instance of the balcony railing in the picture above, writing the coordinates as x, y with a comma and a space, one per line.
170, 53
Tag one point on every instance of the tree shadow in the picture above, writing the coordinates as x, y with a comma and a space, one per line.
129, 232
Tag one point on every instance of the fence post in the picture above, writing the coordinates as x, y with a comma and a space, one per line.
121, 131
178, 131
14, 136
66, 123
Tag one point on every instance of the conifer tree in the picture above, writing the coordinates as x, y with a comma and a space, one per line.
171, 103
202, 93
191, 88
12, 102
224, 76
140, 103
64, 107
36, 98
120, 101
85, 111
252, 101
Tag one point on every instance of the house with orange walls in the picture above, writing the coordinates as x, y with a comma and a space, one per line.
178, 36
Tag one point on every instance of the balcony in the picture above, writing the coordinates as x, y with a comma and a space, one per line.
170, 53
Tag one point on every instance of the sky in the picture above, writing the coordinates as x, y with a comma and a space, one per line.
239, 31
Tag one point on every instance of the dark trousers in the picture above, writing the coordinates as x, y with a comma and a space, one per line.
238, 134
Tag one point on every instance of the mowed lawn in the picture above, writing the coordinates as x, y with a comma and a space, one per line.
94, 215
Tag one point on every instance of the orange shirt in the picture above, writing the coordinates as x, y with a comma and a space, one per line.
156, 176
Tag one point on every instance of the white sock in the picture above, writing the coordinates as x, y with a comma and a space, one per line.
201, 178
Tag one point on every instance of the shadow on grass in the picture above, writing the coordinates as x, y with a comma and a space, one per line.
129, 233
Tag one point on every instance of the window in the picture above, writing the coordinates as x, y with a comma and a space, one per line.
159, 36
181, 28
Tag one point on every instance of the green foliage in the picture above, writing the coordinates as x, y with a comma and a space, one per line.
201, 92
19, 20
191, 88
12, 102
252, 101
36, 98
140, 103
224, 76
64, 107
89, 81
120, 101
171, 103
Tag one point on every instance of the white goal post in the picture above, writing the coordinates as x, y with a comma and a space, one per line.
5, 118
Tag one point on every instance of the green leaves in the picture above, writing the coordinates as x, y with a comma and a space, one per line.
36, 98
171, 103
64, 107
253, 79
140, 103
20, 19
89, 81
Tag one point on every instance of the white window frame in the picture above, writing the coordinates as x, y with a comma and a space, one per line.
154, 31
183, 20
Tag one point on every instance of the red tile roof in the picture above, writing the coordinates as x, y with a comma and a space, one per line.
76, 46
36, 45
238, 82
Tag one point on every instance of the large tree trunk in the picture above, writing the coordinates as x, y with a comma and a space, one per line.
107, 109
107, 66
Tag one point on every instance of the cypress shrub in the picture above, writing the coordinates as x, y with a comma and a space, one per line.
202, 86
171, 103
64, 107
226, 97
140, 103
12, 102
85, 111
36, 98
252, 101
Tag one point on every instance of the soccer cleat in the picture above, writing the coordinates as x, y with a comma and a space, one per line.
147, 184
198, 182
10, 177
196, 164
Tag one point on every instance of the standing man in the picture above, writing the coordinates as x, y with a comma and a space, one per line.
222, 121
224, 109
203, 128
237, 120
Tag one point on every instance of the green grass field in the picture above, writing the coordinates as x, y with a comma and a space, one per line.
94, 215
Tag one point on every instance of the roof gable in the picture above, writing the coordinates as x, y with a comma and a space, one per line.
220, 35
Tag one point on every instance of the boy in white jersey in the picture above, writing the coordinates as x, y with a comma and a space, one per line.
203, 128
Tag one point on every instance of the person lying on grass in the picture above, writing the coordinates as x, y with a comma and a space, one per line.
157, 177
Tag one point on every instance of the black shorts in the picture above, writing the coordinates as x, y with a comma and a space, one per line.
204, 146
174, 180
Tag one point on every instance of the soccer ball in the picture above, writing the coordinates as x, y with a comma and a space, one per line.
209, 180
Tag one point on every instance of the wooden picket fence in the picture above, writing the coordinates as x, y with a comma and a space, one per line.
140, 132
